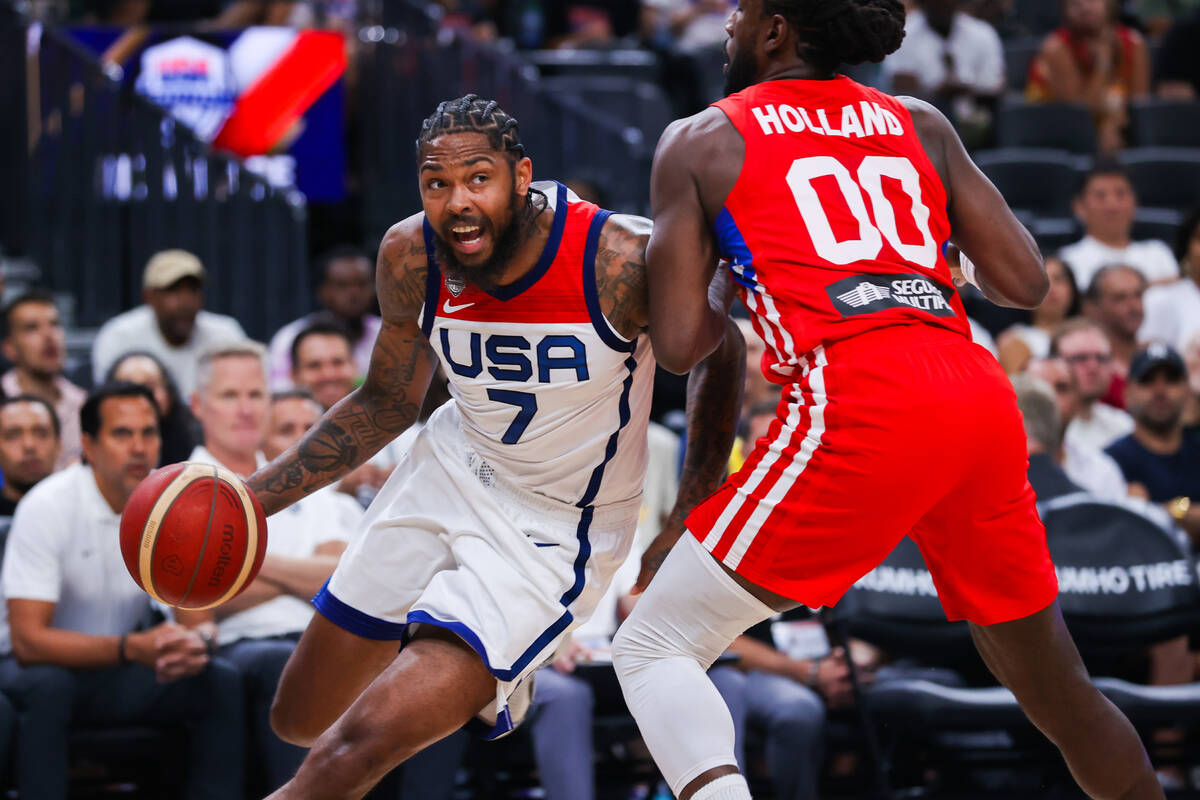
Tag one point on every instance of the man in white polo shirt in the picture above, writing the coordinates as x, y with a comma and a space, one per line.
171, 324
73, 651
259, 628
1106, 205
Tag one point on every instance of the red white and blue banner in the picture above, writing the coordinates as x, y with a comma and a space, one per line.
272, 96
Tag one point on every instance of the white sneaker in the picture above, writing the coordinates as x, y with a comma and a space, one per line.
492, 727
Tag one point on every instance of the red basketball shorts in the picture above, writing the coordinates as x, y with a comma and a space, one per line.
902, 431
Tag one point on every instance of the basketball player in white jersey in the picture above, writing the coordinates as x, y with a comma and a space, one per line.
500, 531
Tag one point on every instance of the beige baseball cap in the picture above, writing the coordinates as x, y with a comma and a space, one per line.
168, 266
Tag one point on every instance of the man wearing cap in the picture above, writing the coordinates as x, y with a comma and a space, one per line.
1161, 458
171, 324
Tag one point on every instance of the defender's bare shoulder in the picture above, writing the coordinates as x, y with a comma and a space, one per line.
621, 273
933, 130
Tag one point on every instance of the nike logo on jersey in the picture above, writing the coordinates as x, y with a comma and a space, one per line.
450, 309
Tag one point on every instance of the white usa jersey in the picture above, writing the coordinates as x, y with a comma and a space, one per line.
551, 397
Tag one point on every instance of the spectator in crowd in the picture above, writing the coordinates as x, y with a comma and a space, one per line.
1106, 204
346, 294
1177, 70
259, 629
231, 402
575, 23
1095, 61
1043, 434
1161, 458
1173, 309
1021, 343
322, 362
74, 650
1159, 15
1085, 348
1191, 360
951, 59
34, 342
179, 429
30, 437
689, 26
322, 365
1085, 465
1114, 302
171, 324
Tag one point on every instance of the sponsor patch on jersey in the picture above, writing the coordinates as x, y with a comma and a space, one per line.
867, 294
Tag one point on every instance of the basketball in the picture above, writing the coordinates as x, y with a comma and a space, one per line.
192, 535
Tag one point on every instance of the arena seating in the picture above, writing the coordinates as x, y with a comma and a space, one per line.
1058, 125
1127, 581
1018, 54
1164, 177
1157, 123
1039, 181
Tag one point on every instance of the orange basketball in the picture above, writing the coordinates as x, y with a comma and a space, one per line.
193, 536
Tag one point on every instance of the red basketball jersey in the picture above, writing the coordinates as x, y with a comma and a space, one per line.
837, 223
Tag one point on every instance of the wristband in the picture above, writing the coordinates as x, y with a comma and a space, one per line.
122, 658
967, 267
210, 643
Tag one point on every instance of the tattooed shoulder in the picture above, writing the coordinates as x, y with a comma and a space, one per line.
402, 269
621, 273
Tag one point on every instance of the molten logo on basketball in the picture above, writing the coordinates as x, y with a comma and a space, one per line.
224, 556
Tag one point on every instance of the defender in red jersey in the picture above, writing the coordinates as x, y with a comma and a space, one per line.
833, 204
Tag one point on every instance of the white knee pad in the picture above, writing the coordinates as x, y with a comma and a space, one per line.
688, 616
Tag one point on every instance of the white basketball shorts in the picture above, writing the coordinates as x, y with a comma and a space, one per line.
450, 542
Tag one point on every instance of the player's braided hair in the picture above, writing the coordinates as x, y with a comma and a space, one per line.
472, 114
836, 32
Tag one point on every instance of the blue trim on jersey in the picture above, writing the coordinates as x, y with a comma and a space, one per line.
591, 294
351, 619
593, 487
733, 246
433, 282
548, 253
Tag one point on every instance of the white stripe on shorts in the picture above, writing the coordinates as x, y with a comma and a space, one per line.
789, 430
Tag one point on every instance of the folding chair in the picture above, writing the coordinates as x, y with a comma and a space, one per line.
1064, 126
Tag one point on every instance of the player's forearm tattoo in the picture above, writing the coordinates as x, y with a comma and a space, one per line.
360, 424
714, 403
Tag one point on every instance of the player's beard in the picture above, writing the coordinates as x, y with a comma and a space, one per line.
506, 242
741, 71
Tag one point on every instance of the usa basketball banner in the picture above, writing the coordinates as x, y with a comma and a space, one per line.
274, 97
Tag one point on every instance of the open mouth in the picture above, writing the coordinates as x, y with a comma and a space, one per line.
467, 237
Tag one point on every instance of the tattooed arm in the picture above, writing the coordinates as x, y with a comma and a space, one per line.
714, 393
360, 424
714, 404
